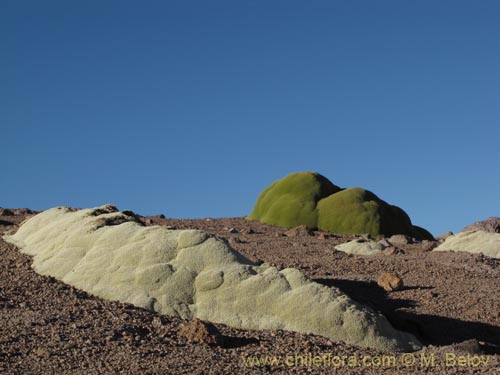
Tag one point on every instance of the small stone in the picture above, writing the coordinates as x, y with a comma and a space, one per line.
323, 236
300, 231
42, 352
432, 294
171, 227
399, 239
428, 245
23, 211
6, 212
390, 282
384, 242
393, 250
232, 230
249, 231
198, 331
471, 346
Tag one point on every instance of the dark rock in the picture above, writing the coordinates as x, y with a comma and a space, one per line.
6, 212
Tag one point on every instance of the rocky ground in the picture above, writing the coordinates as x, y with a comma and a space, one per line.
449, 300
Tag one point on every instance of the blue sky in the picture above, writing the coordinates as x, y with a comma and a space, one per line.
191, 108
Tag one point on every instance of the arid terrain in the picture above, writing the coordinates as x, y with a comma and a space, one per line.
450, 301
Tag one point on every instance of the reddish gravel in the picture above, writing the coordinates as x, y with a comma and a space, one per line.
47, 327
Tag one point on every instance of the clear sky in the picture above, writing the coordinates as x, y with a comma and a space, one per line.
191, 108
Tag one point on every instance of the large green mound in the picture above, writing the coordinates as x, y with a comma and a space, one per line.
190, 273
307, 198
292, 201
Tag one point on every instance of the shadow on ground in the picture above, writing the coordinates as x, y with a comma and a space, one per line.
430, 329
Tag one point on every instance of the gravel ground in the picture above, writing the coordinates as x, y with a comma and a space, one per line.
450, 301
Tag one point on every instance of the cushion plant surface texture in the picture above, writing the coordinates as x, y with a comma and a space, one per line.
190, 273
475, 241
307, 198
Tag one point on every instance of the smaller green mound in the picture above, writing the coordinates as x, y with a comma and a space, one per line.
291, 201
359, 211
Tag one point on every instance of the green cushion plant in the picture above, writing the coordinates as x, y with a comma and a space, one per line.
292, 201
308, 198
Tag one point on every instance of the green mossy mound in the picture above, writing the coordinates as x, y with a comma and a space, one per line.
307, 198
359, 211
292, 201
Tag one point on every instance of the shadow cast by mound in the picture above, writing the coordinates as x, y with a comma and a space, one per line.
230, 342
430, 329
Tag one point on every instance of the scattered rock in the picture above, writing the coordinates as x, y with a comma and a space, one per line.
300, 231
471, 346
171, 227
428, 245
366, 237
6, 212
132, 214
444, 236
392, 250
42, 352
390, 282
249, 231
491, 225
431, 294
23, 211
6, 223
400, 239
198, 331
323, 236
384, 242
232, 230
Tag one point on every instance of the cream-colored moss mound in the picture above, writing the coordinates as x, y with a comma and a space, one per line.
361, 247
189, 273
476, 242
